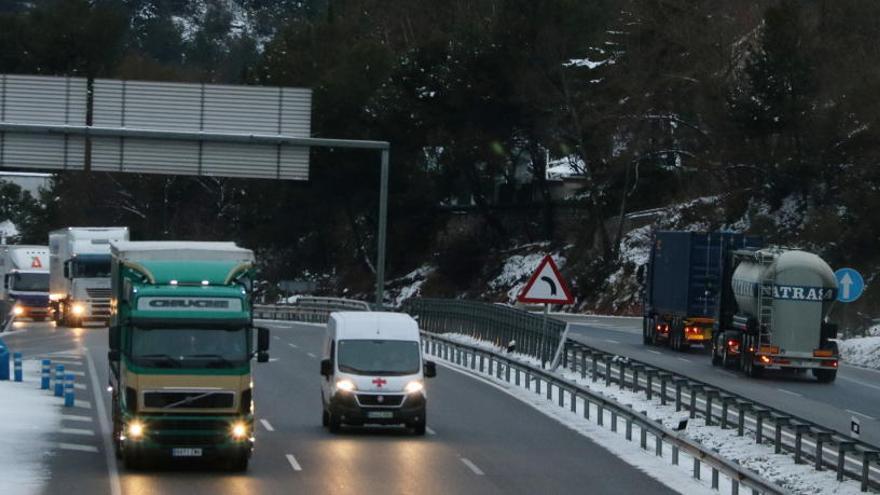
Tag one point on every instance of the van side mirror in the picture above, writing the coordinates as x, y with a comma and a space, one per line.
326, 367
430, 369
262, 339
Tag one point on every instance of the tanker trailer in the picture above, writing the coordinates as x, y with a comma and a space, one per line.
778, 318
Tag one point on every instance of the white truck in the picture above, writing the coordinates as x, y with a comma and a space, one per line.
79, 267
25, 291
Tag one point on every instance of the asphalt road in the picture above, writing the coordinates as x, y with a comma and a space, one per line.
855, 393
480, 440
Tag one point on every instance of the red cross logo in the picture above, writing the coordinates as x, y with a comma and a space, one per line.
379, 382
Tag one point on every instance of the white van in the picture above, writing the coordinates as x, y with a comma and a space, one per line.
373, 372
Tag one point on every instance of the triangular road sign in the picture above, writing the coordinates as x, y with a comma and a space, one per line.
546, 285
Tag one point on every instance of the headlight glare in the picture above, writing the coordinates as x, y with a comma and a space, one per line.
239, 430
135, 430
345, 386
414, 387
17, 310
78, 309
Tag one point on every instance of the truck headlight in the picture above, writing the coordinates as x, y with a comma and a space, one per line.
135, 430
414, 387
17, 310
239, 430
345, 386
78, 309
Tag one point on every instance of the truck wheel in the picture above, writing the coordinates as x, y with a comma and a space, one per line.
825, 376
647, 332
716, 356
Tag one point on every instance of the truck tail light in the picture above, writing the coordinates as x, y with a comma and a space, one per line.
830, 363
765, 359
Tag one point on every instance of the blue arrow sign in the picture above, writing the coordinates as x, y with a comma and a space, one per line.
850, 285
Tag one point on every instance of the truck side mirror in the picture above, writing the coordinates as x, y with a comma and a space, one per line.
262, 357
326, 367
262, 339
430, 369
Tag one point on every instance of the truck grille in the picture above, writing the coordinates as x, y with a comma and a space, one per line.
380, 400
98, 293
189, 400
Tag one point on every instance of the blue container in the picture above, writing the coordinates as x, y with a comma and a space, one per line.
4, 361
59, 380
16, 359
45, 374
68, 390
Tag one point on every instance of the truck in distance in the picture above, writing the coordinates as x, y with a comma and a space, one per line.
79, 266
776, 317
25, 291
181, 346
683, 285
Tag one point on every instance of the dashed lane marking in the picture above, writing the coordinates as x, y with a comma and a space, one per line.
83, 404
612, 341
77, 431
272, 360
293, 345
312, 355
789, 392
267, 425
293, 462
859, 382
655, 352
74, 417
78, 447
473, 467
276, 337
80, 386
683, 359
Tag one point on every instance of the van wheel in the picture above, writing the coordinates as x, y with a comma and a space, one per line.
419, 429
334, 424
325, 418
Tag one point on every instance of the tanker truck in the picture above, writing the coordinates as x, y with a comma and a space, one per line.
25, 290
772, 314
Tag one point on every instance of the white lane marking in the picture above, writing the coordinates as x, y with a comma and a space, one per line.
861, 414
78, 447
293, 345
64, 363
77, 431
859, 382
272, 360
82, 403
97, 390
80, 386
683, 359
473, 467
74, 417
74, 373
655, 352
611, 341
789, 392
292, 460
312, 355
430, 431
276, 337
267, 425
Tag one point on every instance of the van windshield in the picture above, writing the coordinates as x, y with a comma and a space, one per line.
378, 357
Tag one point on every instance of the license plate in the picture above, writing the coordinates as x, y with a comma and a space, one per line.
186, 452
380, 414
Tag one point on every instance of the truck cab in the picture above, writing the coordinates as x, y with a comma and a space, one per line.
373, 371
181, 347
25, 289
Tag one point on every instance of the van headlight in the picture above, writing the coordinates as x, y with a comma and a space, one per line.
345, 386
414, 387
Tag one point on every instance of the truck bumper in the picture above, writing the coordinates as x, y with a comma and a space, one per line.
169, 437
781, 361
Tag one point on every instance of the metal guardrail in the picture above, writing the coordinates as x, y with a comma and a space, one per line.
308, 309
521, 374
495, 323
852, 458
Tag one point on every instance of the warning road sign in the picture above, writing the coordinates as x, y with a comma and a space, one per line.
546, 286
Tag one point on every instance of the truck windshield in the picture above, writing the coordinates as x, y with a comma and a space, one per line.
90, 268
378, 357
33, 282
189, 347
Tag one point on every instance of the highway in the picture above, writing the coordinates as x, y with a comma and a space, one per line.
856, 392
480, 440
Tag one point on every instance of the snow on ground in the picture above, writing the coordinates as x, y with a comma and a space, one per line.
781, 469
568, 166
27, 416
862, 351
415, 279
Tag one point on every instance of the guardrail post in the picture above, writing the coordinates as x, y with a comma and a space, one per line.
696, 468
482, 363
565, 357
674, 455
528, 380
799, 429
843, 447
507, 373
629, 429
607, 371
694, 390
583, 364
621, 367
643, 440
867, 457
664, 377
59, 380
649, 383
594, 371
780, 421
600, 414
45, 374
550, 390
538, 385
760, 414
714, 478
613, 420
635, 372
821, 438
516, 377
710, 395
734, 487
679, 383
658, 445
725, 408
16, 366
573, 395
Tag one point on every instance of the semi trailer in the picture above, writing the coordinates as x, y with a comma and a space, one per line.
25, 291
79, 273
683, 285
775, 316
181, 350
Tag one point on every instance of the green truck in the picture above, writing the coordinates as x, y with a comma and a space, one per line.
181, 347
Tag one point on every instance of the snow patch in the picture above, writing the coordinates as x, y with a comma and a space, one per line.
864, 351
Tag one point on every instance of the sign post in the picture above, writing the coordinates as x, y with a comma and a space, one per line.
546, 286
